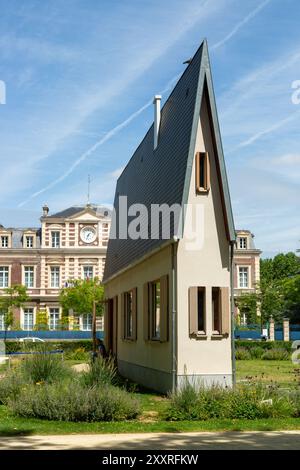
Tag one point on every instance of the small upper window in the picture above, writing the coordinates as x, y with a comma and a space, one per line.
29, 241
4, 241
55, 239
242, 243
202, 172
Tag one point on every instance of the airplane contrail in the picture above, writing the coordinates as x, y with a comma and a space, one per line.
239, 25
125, 123
100, 142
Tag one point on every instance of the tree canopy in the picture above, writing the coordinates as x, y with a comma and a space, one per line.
80, 295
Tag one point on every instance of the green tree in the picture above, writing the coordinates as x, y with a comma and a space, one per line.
12, 297
84, 296
41, 322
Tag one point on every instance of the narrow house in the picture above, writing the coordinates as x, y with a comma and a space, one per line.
168, 286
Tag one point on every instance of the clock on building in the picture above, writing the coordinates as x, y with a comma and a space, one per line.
88, 234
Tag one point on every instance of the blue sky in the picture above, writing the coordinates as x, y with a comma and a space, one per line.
75, 70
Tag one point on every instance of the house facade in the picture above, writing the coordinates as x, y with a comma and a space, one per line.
71, 244
246, 269
168, 285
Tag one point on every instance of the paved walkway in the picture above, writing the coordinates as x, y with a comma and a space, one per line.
157, 441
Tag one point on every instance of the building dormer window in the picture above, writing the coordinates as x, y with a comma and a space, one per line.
29, 241
4, 241
202, 172
243, 243
55, 239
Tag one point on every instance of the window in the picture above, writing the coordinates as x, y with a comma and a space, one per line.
202, 172
243, 243
29, 276
128, 314
55, 239
86, 322
29, 241
216, 309
2, 322
197, 311
4, 241
28, 319
156, 310
4, 276
88, 272
55, 277
53, 318
243, 277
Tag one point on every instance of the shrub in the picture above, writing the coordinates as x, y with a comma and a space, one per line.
276, 354
43, 367
191, 403
64, 403
102, 371
256, 352
80, 354
242, 354
10, 386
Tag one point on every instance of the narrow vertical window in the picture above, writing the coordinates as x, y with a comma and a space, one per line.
202, 172
201, 310
54, 319
128, 298
28, 323
243, 277
216, 309
155, 310
4, 276
55, 239
29, 276
55, 278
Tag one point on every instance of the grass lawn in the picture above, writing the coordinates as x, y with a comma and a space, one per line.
281, 372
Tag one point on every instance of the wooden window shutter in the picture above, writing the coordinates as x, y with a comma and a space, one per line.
193, 310
106, 323
207, 172
123, 315
164, 308
134, 313
225, 319
146, 311
115, 322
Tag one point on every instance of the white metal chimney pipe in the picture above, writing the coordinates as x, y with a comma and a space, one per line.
156, 102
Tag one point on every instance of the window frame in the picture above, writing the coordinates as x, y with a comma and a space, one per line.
51, 278
25, 312
84, 320
4, 237
218, 310
243, 241
33, 276
88, 267
27, 238
154, 332
54, 243
128, 314
7, 270
55, 323
202, 172
247, 268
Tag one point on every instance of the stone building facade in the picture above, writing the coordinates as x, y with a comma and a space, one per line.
246, 269
68, 245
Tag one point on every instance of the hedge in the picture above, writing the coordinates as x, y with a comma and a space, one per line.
67, 346
264, 344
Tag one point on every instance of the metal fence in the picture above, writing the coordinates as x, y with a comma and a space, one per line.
254, 332
51, 335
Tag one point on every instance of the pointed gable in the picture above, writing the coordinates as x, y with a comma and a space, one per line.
162, 176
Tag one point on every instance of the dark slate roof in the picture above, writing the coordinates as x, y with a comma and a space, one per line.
18, 234
163, 175
77, 209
